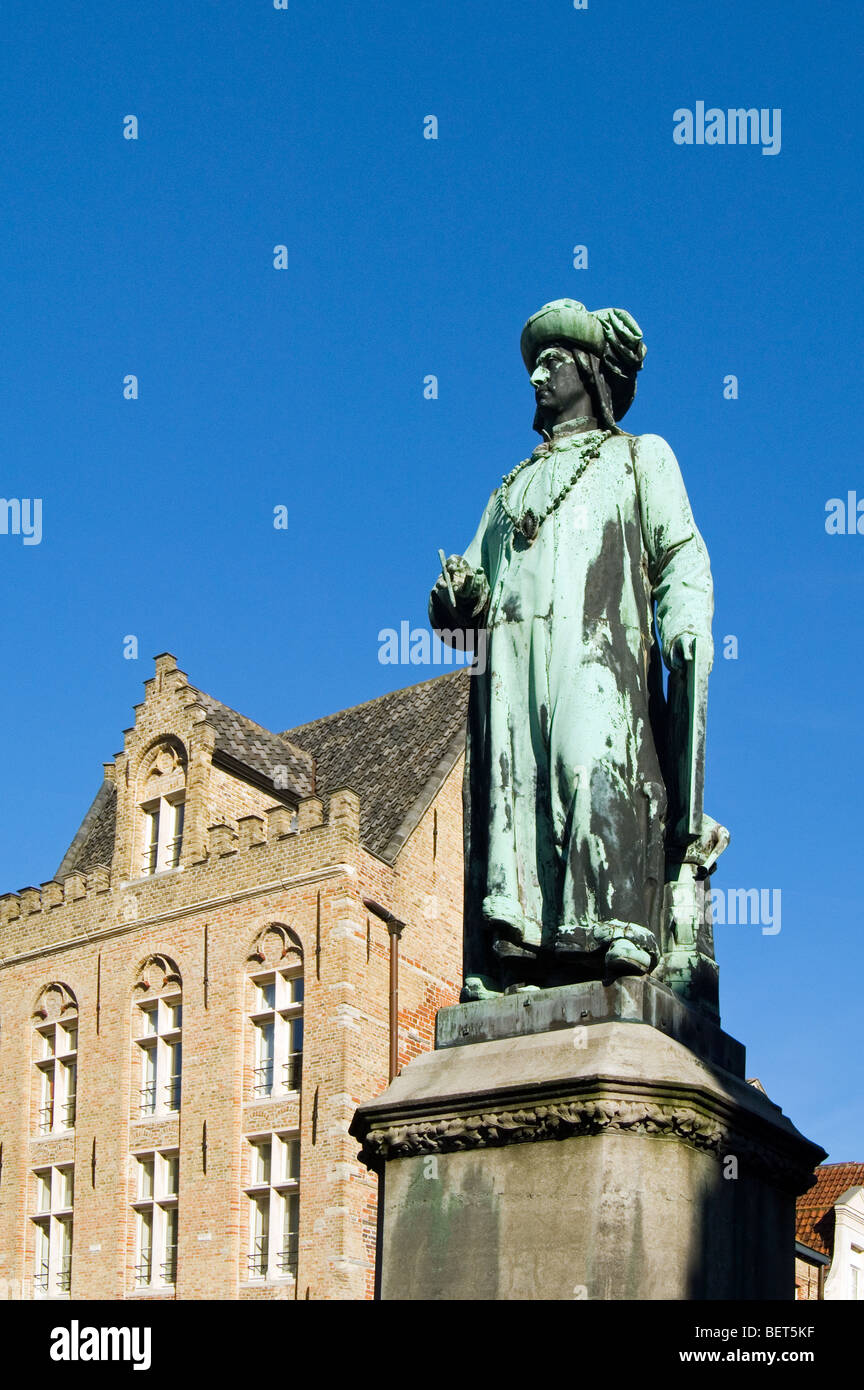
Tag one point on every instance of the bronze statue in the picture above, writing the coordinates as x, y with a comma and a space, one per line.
586, 847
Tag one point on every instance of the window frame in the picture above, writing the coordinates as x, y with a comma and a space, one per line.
156, 1212
272, 1254
164, 822
58, 1077
160, 1052
54, 1230
278, 1070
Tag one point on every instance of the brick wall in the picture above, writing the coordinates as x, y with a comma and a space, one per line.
210, 918
806, 1279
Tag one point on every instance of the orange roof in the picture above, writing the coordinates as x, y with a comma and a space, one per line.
814, 1211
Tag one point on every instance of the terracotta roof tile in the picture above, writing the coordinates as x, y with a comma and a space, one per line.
814, 1210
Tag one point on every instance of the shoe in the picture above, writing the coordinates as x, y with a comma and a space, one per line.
624, 958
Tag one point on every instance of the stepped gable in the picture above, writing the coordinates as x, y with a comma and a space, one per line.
244, 746
394, 752
814, 1210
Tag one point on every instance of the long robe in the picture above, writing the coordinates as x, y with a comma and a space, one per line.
564, 796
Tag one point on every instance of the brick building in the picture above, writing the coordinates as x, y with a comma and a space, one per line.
191, 1010
829, 1235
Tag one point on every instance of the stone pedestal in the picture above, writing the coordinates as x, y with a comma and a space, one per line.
586, 1142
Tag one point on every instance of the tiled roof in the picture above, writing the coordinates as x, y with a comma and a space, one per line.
246, 744
393, 751
94, 842
814, 1211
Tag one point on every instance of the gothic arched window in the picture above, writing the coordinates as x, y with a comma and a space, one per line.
275, 1004
162, 801
157, 1020
55, 1019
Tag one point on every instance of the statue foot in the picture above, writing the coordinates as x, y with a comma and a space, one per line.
522, 989
624, 958
477, 987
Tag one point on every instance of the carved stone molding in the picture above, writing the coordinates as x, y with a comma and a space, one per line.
575, 1118
55, 1001
157, 973
276, 945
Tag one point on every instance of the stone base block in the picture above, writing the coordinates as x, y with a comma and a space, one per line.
601, 1162
632, 999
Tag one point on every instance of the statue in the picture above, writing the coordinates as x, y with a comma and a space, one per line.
587, 851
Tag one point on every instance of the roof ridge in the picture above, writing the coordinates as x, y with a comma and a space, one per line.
376, 699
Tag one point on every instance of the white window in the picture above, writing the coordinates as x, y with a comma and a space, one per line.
274, 1206
160, 1054
163, 833
57, 1064
277, 1021
857, 1280
52, 1218
156, 1178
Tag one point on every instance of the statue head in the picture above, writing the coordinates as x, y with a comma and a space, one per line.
560, 389
564, 387
606, 351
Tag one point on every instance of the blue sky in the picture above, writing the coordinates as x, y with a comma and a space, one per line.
304, 388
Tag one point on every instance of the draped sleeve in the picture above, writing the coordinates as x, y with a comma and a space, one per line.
678, 567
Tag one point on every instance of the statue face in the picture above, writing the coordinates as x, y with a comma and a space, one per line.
558, 387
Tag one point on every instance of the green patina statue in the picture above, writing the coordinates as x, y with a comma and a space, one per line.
587, 851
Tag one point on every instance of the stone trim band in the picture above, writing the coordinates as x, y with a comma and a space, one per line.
575, 1118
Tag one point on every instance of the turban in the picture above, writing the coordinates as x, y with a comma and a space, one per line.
611, 338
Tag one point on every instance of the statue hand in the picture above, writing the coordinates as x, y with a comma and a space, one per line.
468, 584
460, 573
465, 611
683, 647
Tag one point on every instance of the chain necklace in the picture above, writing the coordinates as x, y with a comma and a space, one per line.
528, 524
